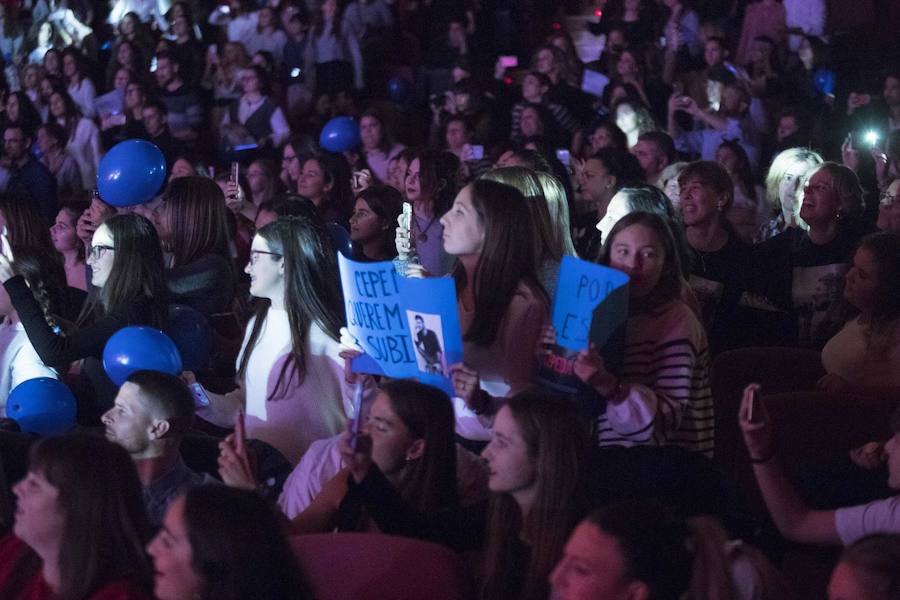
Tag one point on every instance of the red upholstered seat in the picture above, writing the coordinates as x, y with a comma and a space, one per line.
365, 566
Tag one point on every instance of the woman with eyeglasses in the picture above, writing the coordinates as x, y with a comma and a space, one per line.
290, 377
127, 266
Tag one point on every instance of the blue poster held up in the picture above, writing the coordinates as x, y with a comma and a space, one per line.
406, 327
591, 306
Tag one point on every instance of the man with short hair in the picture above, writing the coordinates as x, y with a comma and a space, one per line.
184, 108
655, 150
152, 413
155, 117
27, 175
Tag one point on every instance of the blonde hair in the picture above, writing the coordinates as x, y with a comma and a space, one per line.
780, 165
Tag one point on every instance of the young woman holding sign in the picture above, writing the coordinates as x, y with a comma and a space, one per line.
662, 395
290, 377
502, 307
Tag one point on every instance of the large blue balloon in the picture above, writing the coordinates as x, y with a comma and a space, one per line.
42, 405
398, 89
139, 348
192, 335
341, 239
132, 172
339, 134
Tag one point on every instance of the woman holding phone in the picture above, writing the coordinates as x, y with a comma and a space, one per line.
127, 266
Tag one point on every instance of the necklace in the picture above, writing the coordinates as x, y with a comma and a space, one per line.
423, 233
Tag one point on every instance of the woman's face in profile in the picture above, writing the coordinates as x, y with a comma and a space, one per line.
39, 517
174, 574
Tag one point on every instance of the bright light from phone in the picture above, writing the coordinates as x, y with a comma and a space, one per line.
598, 13
872, 137
295, 72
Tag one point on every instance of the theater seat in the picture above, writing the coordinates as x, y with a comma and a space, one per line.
367, 566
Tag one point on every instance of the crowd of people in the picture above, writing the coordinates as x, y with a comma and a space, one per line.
738, 160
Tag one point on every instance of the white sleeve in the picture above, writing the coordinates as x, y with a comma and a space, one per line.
26, 364
855, 522
320, 463
280, 128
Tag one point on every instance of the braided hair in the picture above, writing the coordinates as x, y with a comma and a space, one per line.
44, 272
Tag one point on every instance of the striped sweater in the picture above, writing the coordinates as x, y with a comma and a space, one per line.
667, 371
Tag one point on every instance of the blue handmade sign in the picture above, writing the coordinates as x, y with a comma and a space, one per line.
406, 327
591, 303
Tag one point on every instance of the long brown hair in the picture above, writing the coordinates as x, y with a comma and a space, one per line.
196, 213
312, 291
25, 224
429, 483
507, 258
105, 522
137, 271
556, 442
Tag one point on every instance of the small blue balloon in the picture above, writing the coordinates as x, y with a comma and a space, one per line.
398, 89
42, 405
139, 348
131, 173
823, 80
192, 335
341, 239
339, 134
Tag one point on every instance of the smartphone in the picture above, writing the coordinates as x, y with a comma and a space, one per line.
477, 153
563, 156
235, 172
295, 72
153, 65
357, 418
117, 119
201, 400
753, 412
509, 61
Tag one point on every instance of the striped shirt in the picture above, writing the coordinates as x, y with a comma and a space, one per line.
666, 369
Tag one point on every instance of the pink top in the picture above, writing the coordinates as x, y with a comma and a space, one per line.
761, 19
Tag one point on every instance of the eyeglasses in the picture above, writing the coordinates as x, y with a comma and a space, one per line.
254, 255
97, 251
288, 158
887, 199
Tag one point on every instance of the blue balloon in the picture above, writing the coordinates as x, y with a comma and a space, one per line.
339, 134
132, 172
823, 80
192, 335
139, 348
398, 89
42, 405
341, 239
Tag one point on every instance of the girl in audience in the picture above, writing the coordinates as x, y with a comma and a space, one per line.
20, 110
80, 525
397, 167
64, 236
83, 136
502, 306
868, 569
784, 190
558, 205
290, 377
865, 354
547, 250
606, 134
219, 542
643, 550
802, 271
668, 183
80, 86
429, 186
633, 119
747, 210
372, 223
535, 459
18, 360
255, 113
124, 56
325, 179
661, 395
293, 155
334, 51
192, 224
377, 144
127, 265
31, 81
51, 139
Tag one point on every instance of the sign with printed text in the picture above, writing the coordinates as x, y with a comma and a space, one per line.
408, 328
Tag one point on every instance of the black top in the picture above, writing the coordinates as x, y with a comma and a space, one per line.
206, 285
460, 528
96, 391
